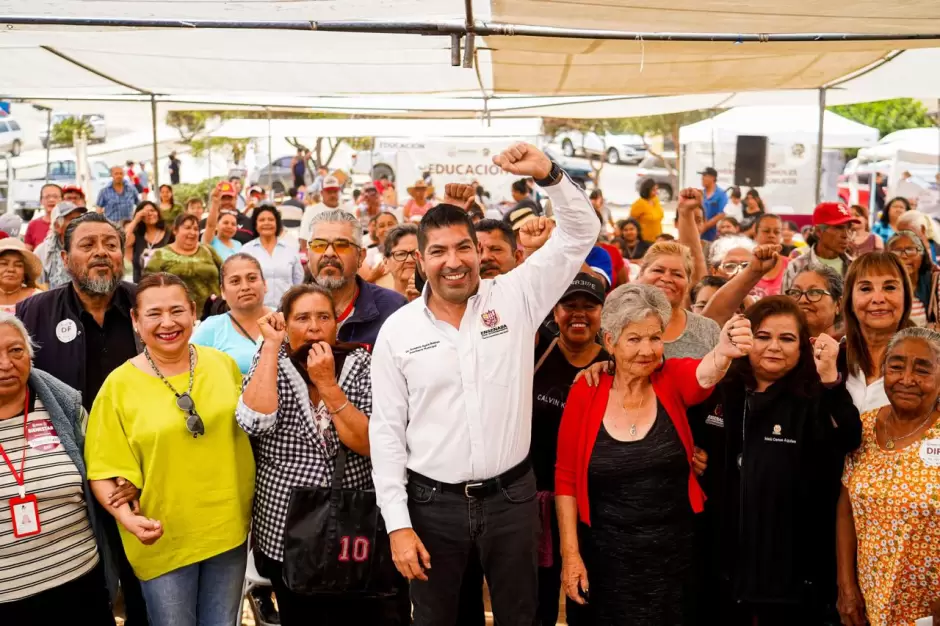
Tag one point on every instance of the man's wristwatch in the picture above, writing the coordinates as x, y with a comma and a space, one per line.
554, 176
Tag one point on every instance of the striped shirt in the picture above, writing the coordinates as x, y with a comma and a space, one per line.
65, 548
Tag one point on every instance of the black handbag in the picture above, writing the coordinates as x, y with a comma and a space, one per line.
335, 541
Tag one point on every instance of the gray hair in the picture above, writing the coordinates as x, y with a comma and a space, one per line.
835, 284
395, 235
14, 322
628, 304
720, 248
930, 337
915, 221
910, 234
341, 216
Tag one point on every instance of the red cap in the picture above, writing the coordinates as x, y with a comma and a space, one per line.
832, 214
226, 189
73, 189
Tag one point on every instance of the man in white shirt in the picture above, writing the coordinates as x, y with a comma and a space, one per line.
452, 396
329, 199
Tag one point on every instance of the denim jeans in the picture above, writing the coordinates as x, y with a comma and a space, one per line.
207, 593
503, 528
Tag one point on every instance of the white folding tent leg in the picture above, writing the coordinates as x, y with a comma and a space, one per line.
819, 144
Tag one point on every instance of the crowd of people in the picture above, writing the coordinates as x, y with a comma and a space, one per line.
728, 426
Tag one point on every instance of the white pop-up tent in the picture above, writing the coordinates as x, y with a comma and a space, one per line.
796, 172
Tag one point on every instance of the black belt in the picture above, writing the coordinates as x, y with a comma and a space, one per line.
475, 488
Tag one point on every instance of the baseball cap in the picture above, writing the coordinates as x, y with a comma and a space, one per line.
587, 285
519, 217
226, 188
331, 182
73, 189
256, 189
64, 208
599, 260
709, 171
832, 214
11, 223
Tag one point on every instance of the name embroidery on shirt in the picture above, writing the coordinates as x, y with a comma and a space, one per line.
425, 346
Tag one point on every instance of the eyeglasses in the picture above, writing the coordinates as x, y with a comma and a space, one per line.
733, 268
812, 295
194, 423
402, 255
909, 251
340, 246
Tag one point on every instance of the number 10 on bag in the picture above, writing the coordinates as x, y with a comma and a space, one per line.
360, 548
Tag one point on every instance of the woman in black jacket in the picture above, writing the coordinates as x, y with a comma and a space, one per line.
771, 431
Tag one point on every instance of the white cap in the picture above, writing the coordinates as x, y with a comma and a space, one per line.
331, 182
64, 208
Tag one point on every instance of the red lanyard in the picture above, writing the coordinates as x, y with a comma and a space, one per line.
21, 477
349, 308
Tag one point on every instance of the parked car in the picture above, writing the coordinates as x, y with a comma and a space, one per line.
655, 167
99, 129
24, 193
278, 175
11, 136
374, 164
615, 148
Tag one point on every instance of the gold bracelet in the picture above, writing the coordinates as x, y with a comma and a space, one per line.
343, 406
715, 361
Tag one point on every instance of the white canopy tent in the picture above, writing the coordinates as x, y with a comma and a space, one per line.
790, 124
444, 128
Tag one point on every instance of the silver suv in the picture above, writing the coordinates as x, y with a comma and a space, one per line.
654, 167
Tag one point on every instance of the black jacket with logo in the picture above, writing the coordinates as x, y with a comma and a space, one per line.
772, 483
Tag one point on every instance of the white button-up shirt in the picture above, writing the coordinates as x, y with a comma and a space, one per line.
456, 404
866, 397
282, 268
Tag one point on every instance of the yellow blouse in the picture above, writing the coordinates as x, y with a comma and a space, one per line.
896, 506
649, 213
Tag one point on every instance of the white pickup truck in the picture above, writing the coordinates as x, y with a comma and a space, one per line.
614, 148
24, 192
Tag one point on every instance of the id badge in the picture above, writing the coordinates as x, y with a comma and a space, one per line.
25, 515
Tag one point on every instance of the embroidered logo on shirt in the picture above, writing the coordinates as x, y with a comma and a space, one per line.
778, 430
490, 318
714, 420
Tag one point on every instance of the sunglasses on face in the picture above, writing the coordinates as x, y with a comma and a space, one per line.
340, 246
812, 295
402, 255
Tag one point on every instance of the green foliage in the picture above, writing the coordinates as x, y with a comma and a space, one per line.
237, 146
63, 133
189, 124
184, 191
887, 115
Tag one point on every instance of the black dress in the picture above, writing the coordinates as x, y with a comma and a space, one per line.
640, 545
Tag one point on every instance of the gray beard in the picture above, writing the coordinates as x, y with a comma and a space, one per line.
99, 286
330, 282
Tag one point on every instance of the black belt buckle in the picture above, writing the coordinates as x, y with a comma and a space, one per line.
468, 486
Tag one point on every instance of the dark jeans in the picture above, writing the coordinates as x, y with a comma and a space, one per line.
471, 611
81, 601
504, 529
299, 610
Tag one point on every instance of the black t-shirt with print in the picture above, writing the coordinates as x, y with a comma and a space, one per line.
550, 389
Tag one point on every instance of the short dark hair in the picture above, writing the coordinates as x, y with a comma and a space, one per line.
393, 236
443, 216
735, 192
646, 188
292, 192
160, 279
46, 186
234, 177
521, 186
267, 208
239, 256
295, 293
708, 281
766, 216
193, 200
488, 226
728, 218
596, 193
631, 220
791, 225
89, 218
141, 227
182, 218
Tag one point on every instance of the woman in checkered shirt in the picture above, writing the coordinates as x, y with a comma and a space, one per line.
303, 397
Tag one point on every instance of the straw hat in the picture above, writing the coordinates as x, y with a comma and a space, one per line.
418, 185
33, 263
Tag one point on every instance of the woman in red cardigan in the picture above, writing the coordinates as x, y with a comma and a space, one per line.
625, 489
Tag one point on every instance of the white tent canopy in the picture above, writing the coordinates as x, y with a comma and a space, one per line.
786, 124
250, 128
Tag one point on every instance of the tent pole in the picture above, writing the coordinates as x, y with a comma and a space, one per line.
455, 50
48, 139
156, 156
270, 159
819, 144
471, 29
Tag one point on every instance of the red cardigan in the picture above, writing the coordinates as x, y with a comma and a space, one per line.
675, 386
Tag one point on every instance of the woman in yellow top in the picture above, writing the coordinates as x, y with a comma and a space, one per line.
648, 211
888, 525
164, 423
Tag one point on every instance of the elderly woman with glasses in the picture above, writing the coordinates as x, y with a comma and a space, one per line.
626, 491
888, 512
729, 255
164, 422
52, 570
400, 251
923, 274
818, 290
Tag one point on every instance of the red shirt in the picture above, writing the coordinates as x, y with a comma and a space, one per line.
36, 231
617, 260
676, 387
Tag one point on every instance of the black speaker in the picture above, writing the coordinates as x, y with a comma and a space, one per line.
750, 161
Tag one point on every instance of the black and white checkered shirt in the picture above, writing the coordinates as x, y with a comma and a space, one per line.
296, 446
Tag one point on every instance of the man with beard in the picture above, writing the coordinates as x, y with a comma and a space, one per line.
334, 255
499, 252
83, 331
452, 403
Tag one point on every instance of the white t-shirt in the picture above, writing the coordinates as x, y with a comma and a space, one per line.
734, 210
866, 397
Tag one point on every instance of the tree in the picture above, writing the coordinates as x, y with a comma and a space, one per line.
64, 131
887, 115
